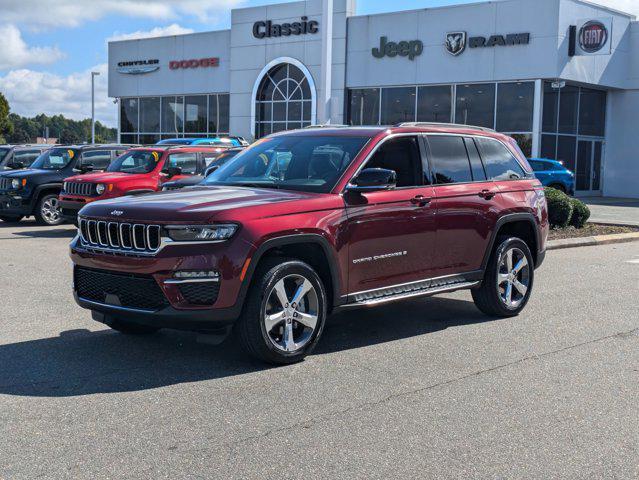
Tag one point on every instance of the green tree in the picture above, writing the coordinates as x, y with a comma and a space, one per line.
69, 137
6, 128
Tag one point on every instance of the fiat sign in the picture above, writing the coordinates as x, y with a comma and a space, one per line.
593, 37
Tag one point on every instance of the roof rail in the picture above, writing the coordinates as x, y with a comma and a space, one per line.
445, 125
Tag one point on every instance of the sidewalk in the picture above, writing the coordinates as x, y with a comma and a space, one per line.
615, 211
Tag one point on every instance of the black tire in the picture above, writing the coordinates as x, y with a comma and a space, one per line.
558, 186
488, 298
129, 328
7, 219
45, 211
250, 330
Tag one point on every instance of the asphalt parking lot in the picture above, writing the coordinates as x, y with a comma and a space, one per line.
424, 389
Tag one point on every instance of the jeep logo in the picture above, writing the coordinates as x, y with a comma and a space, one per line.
117, 213
410, 49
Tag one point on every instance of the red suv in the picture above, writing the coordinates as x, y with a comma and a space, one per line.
305, 222
139, 170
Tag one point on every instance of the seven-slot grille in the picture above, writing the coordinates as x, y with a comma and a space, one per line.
5, 183
133, 238
80, 188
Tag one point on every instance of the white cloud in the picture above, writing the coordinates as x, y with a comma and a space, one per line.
173, 29
628, 6
30, 93
71, 13
15, 53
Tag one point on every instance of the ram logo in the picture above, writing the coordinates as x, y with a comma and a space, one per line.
456, 43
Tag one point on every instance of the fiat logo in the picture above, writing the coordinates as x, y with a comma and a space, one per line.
593, 36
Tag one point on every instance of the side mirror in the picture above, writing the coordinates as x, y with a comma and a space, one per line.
372, 180
173, 171
16, 165
210, 170
88, 167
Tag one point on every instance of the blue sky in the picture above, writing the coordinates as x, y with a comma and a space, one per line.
50, 46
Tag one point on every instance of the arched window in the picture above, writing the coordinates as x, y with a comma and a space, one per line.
284, 100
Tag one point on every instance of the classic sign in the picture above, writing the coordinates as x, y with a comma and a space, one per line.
410, 49
268, 29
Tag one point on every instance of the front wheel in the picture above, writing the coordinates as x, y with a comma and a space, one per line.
48, 210
284, 314
508, 279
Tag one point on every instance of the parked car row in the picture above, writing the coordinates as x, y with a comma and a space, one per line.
52, 183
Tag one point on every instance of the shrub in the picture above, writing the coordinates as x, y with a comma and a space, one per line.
580, 213
559, 208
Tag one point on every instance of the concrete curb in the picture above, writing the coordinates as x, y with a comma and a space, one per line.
591, 241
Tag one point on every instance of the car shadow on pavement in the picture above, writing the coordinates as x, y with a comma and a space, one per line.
83, 362
48, 233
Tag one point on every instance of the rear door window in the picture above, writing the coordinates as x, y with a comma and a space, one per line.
499, 162
449, 159
26, 157
187, 162
100, 159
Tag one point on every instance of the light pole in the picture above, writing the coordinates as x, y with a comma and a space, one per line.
93, 75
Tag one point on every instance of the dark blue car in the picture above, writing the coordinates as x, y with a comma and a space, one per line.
553, 174
226, 140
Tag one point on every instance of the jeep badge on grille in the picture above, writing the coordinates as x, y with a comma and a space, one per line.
117, 213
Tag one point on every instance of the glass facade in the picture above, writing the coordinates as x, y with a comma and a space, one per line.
573, 131
147, 120
507, 107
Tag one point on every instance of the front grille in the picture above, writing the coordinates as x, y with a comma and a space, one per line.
115, 236
204, 293
80, 188
5, 183
126, 290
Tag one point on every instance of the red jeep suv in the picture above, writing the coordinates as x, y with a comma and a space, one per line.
304, 222
139, 170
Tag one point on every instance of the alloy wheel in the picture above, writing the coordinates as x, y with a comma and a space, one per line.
513, 278
51, 210
291, 313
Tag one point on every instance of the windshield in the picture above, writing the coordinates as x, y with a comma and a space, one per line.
136, 161
3, 154
291, 162
55, 159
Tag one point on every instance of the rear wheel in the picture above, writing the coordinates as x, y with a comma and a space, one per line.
285, 312
9, 219
558, 186
48, 210
508, 279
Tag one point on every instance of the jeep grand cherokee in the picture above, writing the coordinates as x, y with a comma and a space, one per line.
304, 222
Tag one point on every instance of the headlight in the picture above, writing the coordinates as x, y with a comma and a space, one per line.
203, 233
100, 188
16, 184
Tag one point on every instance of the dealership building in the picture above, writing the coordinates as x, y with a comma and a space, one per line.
560, 76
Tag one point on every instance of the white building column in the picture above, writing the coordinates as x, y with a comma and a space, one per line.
537, 119
324, 97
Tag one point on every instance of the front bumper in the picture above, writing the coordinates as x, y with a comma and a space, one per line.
70, 206
226, 258
14, 205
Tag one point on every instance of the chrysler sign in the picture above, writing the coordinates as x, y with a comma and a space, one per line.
137, 67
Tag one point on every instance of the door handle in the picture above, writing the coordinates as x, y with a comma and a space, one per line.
420, 200
487, 194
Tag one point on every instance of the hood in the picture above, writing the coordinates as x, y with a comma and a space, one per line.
26, 173
106, 177
202, 204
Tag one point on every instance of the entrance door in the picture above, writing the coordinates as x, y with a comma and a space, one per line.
588, 171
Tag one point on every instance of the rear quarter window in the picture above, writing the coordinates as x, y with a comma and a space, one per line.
499, 162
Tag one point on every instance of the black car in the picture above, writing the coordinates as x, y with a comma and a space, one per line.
14, 157
34, 191
212, 164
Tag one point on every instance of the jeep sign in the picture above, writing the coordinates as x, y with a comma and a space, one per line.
410, 49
